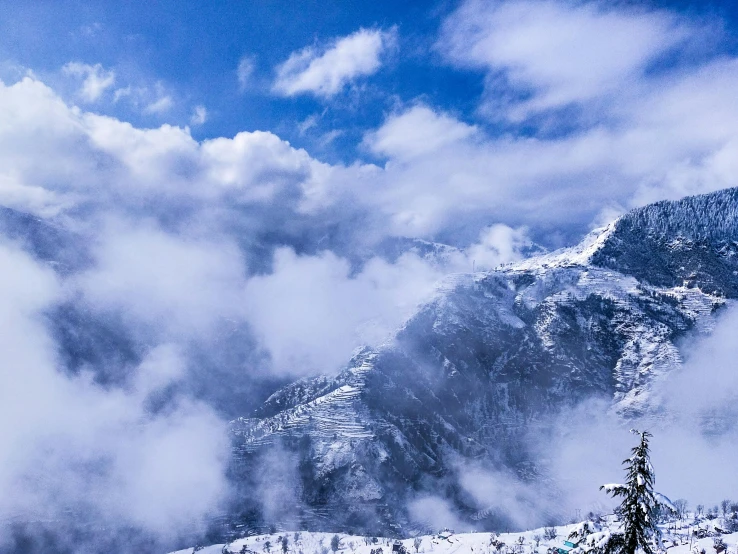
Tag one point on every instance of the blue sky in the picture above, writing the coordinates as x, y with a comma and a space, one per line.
193, 50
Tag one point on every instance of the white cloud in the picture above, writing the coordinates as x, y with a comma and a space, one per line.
199, 115
311, 313
330, 136
434, 512
325, 73
165, 283
419, 130
670, 138
561, 52
34, 120
72, 446
245, 71
308, 123
526, 505
159, 106
121, 93
184, 284
498, 244
162, 167
254, 166
675, 137
96, 79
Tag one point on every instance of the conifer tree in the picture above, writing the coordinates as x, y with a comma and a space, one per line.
638, 509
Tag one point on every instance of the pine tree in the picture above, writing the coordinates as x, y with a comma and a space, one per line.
638, 509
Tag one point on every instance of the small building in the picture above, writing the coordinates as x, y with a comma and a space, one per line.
568, 546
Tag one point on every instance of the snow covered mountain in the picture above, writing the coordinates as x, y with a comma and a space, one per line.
489, 358
465, 382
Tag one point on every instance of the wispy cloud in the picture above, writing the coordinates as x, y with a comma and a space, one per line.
159, 106
245, 71
325, 72
96, 79
199, 115
543, 55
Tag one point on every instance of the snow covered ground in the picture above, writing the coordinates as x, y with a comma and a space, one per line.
676, 537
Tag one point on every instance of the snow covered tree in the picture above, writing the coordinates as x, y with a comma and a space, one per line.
680, 504
639, 507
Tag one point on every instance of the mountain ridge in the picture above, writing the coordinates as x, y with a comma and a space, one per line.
492, 354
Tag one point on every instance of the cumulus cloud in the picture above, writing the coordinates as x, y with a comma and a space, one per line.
670, 138
156, 166
417, 131
311, 312
326, 72
601, 126
164, 262
96, 79
665, 134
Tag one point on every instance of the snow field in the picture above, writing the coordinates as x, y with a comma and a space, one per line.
675, 535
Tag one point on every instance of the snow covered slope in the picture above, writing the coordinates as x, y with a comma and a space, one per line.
490, 357
679, 537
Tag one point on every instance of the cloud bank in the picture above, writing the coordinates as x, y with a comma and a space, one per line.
73, 449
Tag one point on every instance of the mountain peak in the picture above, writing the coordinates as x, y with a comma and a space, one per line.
692, 242
712, 216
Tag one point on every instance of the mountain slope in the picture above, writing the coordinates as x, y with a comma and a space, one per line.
489, 358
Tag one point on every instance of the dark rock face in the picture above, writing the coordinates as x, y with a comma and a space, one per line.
489, 358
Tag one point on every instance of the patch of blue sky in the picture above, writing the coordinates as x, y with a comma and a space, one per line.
172, 57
